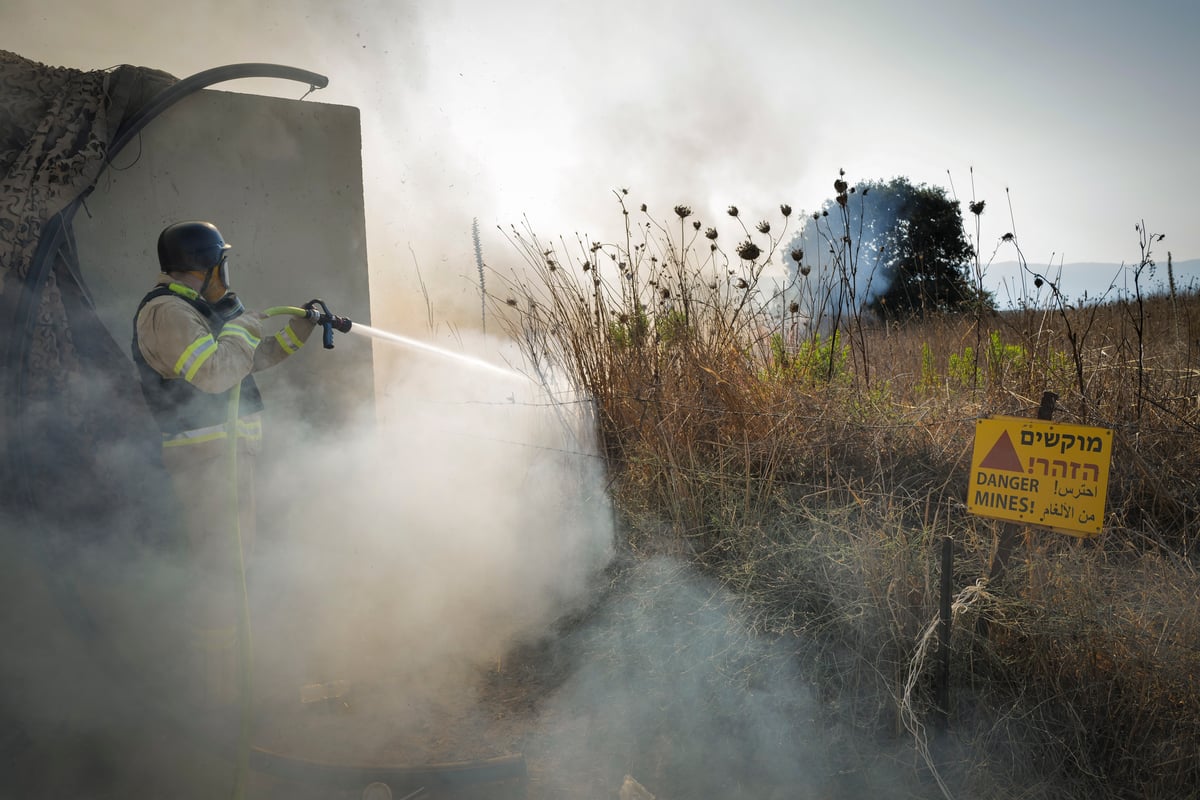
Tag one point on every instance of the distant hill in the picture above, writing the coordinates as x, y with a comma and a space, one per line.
1087, 280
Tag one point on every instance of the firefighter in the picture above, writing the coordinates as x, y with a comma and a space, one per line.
196, 349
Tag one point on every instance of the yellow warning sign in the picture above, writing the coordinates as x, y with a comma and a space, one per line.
1040, 473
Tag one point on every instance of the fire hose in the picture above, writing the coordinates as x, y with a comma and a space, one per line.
317, 312
323, 317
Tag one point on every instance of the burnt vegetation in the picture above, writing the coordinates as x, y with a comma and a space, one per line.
806, 439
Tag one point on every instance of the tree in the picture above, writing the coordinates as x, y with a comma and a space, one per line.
901, 248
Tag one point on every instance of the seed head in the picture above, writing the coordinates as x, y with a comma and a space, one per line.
711, 233
763, 226
842, 199
840, 186
805, 269
786, 210
512, 301
732, 211
824, 212
741, 283
1008, 237
643, 207
696, 225
748, 250
664, 293
1038, 281
683, 212
977, 208
794, 307
797, 255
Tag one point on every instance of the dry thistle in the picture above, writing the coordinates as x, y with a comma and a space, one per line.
748, 250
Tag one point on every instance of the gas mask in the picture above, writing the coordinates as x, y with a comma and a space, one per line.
229, 305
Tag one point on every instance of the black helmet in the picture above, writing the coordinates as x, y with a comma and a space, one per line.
190, 247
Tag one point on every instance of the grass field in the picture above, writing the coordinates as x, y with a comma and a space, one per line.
812, 460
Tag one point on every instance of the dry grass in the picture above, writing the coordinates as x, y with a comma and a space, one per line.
815, 471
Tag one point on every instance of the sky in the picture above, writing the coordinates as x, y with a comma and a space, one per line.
1073, 120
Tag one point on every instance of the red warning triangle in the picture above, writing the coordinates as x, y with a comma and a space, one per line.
1003, 456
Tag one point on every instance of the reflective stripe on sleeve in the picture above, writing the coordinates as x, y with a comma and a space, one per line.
287, 340
195, 355
233, 329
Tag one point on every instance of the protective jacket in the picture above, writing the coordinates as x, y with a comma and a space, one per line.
188, 360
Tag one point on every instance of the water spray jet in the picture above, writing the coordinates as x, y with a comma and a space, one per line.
462, 358
331, 322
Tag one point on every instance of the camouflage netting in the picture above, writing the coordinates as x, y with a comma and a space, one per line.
71, 400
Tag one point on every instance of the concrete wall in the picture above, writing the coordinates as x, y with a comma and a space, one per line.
282, 179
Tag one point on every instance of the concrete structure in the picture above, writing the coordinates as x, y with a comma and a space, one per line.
282, 179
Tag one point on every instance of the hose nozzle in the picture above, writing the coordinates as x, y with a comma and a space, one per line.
327, 320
